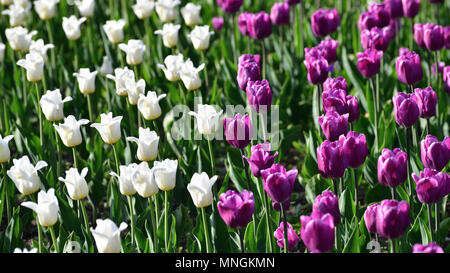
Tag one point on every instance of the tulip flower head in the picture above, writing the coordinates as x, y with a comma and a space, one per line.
279, 14
190, 75
374, 39
200, 189
435, 154
207, 119
166, 9
381, 12
34, 64
69, 131
433, 36
5, 153
169, 34
109, 128
143, 8
147, 144
238, 131
120, 78
430, 248
259, 25
71, 27
126, 179
200, 37
391, 167
333, 125
318, 233
107, 236
370, 217
47, 207
144, 181
135, 51
259, 96
327, 202
395, 8
330, 159
369, 62
242, 23
165, 174
418, 35
106, 67
40, 48
17, 15
19, 38
260, 158
191, 14
324, 22
76, 183
230, 6
447, 37
217, 23
329, 47
426, 100
355, 148
85, 7
25, 176
318, 70
367, 21
406, 110
86, 80
172, 67
248, 70
114, 30
335, 100
392, 218
410, 8
292, 236
431, 185
409, 70
46, 9
335, 83
134, 90
52, 105
149, 105
279, 183
236, 209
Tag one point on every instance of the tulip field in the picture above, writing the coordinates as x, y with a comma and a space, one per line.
228, 126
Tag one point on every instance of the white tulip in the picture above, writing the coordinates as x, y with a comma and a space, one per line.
69, 131
166, 10
169, 34
34, 64
52, 105
46, 9
26, 4
76, 183
126, 179
107, 67
86, 80
190, 75
147, 144
191, 14
25, 176
86, 7
144, 181
17, 15
200, 37
19, 38
165, 174
207, 119
18, 250
134, 90
40, 48
5, 153
200, 189
2, 51
120, 78
149, 105
143, 8
135, 50
71, 27
107, 236
114, 30
47, 207
172, 67
109, 128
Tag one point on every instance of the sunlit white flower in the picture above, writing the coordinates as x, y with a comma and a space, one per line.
109, 128
200, 189
40, 48
147, 144
76, 183
34, 64
120, 78
69, 131
149, 105
19, 38
71, 27
46, 9
5, 153
191, 14
144, 181
107, 67
52, 105
114, 30
143, 8
47, 207
207, 119
165, 174
86, 80
86, 7
172, 67
190, 75
134, 90
200, 37
17, 15
169, 34
166, 10
126, 179
26, 4
107, 236
135, 50
25, 176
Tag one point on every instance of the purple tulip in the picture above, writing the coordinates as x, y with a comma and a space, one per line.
367, 21
426, 100
248, 70
433, 36
430, 186
335, 100
327, 202
335, 83
260, 158
430, 248
392, 218
277, 206
330, 160
333, 125
238, 131
437, 68
447, 37
370, 218
318, 70
409, 70
236, 209
410, 8
279, 14
374, 39
314, 53
242, 23
446, 78
381, 12
329, 47
259, 25
217, 23
406, 110
403, 51
418, 35
435, 154
317, 233
230, 6
279, 183
249, 58
390, 31
324, 22
369, 62
353, 108
391, 167
355, 148
292, 2
259, 95
395, 8
292, 236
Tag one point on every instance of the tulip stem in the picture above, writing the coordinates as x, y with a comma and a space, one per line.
436, 222
130, 204
335, 187
233, 42
205, 228
116, 159
392, 244
85, 218
375, 112
183, 96
50, 36
90, 108
205, 70
166, 221
393, 193
285, 232
154, 224
411, 34
38, 97
428, 126
438, 83
263, 46
269, 229
5, 183
430, 224
408, 134
33, 199
55, 243
356, 191
74, 152
241, 239
58, 151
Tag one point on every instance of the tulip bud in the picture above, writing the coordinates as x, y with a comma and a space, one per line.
147, 144
430, 248
260, 158
170, 34
86, 80
329, 47
395, 8
47, 207
369, 62
200, 189
370, 217
242, 23
248, 70
410, 8
433, 37
69, 131
374, 39
230, 6
435, 154
144, 181
135, 51
353, 108
238, 131
19, 38
391, 167
172, 67
76, 183
324, 22
190, 75
5, 153
279, 183
106, 67
134, 90
330, 159
406, 109
126, 179
318, 70
217, 23
317, 233
109, 128
292, 236
52, 105
143, 8
236, 209
165, 174
327, 202
107, 236
85, 7
333, 125
355, 148
25, 176
34, 64
279, 14
166, 10
149, 105
46, 9
409, 70
207, 119
335, 83
431, 186
426, 100
71, 27
381, 12
200, 37
191, 14
120, 78
114, 30
392, 218
259, 25
259, 95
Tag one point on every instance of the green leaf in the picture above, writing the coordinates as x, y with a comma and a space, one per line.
219, 233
